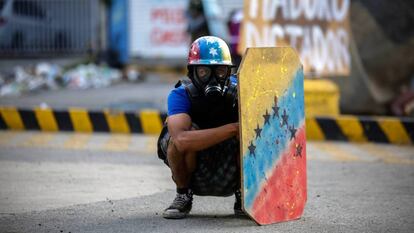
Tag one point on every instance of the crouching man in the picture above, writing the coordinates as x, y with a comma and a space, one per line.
200, 142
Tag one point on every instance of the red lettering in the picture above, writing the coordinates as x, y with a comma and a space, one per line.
166, 15
168, 37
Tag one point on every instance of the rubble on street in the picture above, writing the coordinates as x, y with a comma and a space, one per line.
47, 76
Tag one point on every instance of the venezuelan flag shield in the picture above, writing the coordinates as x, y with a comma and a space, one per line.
273, 139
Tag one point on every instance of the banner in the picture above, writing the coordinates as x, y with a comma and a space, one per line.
318, 29
158, 29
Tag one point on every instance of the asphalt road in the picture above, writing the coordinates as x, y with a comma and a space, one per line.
151, 93
115, 183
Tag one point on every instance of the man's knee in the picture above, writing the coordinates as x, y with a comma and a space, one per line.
172, 147
173, 151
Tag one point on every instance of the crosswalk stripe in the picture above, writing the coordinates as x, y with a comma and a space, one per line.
6, 138
38, 140
382, 154
118, 143
344, 152
313, 153
151, 143
336, 152
77, 141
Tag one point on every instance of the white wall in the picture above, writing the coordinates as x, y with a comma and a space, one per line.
143, 37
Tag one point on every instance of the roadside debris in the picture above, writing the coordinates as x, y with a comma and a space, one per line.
91, 76
46, 76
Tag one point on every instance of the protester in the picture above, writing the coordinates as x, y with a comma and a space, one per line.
200, 142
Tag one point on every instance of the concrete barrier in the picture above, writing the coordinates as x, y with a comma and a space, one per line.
148, 121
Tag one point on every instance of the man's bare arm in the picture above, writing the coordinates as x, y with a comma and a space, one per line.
187, 140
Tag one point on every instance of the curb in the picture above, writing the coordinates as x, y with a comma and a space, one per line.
392, 130
82, 120
148, 121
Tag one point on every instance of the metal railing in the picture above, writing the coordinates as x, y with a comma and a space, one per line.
48, 27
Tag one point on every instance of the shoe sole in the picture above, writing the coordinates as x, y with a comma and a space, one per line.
174, 215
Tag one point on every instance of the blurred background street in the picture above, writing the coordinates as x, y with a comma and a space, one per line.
149, 93
125, 56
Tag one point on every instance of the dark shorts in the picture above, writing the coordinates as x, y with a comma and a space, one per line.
217, 173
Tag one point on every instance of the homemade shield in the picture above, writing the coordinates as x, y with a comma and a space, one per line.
273, 140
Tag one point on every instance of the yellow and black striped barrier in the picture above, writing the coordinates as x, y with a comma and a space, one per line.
361, 129
81, 120
341, 128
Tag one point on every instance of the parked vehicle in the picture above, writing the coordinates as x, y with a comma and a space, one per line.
36, 27
27, 24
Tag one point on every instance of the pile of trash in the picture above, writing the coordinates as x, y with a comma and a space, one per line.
51, 76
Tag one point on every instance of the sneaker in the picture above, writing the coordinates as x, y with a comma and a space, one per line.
238, 204
180, 207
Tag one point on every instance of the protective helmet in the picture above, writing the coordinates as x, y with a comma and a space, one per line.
209, 50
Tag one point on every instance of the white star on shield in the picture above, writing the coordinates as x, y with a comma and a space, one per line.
213, 52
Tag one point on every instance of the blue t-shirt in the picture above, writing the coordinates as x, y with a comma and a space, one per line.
179, 101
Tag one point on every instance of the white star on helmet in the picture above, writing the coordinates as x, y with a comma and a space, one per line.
213, 52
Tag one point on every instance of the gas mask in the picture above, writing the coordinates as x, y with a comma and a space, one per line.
211, 80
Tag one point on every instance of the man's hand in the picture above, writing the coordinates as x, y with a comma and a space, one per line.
187, 140
238, 131
235, 127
